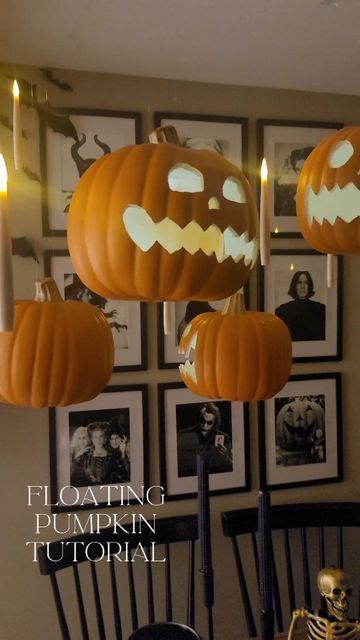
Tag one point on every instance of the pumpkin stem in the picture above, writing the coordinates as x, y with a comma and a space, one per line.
235, 304
164, 134
47, 291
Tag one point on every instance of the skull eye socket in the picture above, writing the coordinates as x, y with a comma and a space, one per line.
340, 154
348, 592
233, 190
336, 591
186, 179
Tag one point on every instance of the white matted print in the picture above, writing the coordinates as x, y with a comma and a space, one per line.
189, 423
286, 145
126, 319
294, 287
226, 135
68, 149
99, 444
300, 434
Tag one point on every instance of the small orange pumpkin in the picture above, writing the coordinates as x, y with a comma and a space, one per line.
238, 354
163, 222
328, 194
59, 353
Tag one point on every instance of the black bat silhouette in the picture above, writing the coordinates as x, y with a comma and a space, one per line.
64, 86
22, 247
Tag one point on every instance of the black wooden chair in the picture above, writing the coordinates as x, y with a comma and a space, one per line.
304, 538
165, 631
105, 594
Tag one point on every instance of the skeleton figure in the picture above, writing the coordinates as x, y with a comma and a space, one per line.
332, 623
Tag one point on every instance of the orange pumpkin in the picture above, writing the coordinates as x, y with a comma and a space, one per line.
328, 196
59, 353
238, 354
163, 222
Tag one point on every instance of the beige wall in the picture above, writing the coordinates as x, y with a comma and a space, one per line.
25, 600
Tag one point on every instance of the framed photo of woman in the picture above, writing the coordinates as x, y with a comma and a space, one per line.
98, 449
294, 287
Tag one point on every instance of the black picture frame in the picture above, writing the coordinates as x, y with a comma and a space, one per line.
124, 406
127, 319
59, 131
282, 464
284, 144
176, 403
275, 283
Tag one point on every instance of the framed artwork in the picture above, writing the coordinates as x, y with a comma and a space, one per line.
98, 450
227, 135
70, 141
189, 422
286, 144
126, 319
294, 287
300, 433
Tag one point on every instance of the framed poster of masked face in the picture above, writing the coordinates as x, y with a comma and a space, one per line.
300, 433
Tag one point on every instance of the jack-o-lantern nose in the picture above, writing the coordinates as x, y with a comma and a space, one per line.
213, 203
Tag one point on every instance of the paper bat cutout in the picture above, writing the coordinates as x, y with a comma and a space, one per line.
31, 174
64, 86
22, 247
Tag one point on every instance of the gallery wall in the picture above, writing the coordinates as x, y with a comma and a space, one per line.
26, 608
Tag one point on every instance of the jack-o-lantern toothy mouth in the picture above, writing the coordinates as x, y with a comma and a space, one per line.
144, 232
188, 368
329, 204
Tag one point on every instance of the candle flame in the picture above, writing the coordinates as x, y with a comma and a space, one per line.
3, 175
276, 230
264, 171
292, 267
16, 90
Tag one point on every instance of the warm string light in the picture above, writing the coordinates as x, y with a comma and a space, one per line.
6, 276
17, 130
264, 216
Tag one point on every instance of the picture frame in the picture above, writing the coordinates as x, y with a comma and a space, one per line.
314, 319
75, 479
285, 144
127, 319
65, 154
182, 312
226, 134
228, 457
312, 404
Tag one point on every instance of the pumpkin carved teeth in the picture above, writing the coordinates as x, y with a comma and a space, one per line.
334, 203
144, 232
188, 368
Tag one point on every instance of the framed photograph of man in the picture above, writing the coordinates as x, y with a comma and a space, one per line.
218, 428
99, 447
285, 144
227, 135
294, 287
300, 433
126, 319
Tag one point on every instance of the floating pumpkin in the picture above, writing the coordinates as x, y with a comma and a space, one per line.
328, 194
59, 353
238, 354
163, 222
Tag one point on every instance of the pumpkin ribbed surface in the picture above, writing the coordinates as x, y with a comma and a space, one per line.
59, 353
111, 262
243, 357
329, 187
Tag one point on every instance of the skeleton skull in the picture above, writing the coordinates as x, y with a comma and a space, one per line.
333, 584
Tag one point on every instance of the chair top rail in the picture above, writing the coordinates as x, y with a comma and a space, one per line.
167, 530
293, 516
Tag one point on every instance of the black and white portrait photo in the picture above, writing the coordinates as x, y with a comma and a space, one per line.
99, 447
289, 160
294, 287
205, 427
300, 430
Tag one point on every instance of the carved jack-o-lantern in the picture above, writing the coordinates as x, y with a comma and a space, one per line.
328, 194
163, 222
300, 426
233, 353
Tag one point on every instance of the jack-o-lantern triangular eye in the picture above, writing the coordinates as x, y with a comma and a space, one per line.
340, 154
233, 190
185, 178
